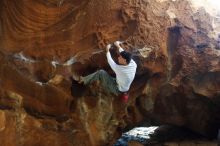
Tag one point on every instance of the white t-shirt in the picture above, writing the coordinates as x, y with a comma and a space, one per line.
124, 73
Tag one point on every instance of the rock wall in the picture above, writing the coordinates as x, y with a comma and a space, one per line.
181, 143
177, 80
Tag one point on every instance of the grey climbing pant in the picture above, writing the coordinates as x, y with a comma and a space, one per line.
107, 82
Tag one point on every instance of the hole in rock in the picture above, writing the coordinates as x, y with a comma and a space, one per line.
173, 37
201, 46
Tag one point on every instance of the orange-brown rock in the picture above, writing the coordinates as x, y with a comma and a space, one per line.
177, 80
134, 143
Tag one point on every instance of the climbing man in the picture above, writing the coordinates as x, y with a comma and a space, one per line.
125, 72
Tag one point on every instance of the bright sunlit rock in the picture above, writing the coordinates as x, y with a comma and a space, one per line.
211, 6
140, 134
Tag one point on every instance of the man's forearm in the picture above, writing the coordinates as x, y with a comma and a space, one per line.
120, 49
111, 62
117, 44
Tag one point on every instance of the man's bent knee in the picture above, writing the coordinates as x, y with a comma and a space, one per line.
102, 71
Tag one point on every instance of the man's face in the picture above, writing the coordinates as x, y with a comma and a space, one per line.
121, 60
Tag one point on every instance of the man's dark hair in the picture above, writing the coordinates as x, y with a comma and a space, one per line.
126, 55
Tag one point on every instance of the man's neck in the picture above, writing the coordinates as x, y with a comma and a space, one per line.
123, 64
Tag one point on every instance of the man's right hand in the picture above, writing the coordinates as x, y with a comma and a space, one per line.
108, 47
